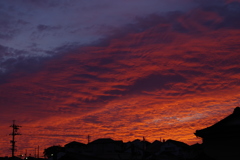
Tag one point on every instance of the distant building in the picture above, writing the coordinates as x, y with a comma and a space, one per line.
221, 141
154, 147
136, 148
176, 148
76, 147
105, 145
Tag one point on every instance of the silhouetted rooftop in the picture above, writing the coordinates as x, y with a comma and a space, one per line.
104, 140
229, 126
154, 147
178, 143
74, 143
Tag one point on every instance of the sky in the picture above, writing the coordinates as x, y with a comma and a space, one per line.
116, 69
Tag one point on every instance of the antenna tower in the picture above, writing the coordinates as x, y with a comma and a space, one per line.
13, 134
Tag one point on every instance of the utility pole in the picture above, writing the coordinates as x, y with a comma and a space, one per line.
13, 134
38, 152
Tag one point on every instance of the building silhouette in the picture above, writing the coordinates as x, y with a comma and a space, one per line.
221, 141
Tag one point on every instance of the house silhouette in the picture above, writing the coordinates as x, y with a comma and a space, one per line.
221, 141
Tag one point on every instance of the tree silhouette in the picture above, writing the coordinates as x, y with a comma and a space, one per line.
52, 151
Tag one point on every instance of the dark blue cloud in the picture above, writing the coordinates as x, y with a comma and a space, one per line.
42, 27
155, 82
169, 21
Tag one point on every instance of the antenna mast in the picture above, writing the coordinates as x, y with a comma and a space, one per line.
88, 137
13, 134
